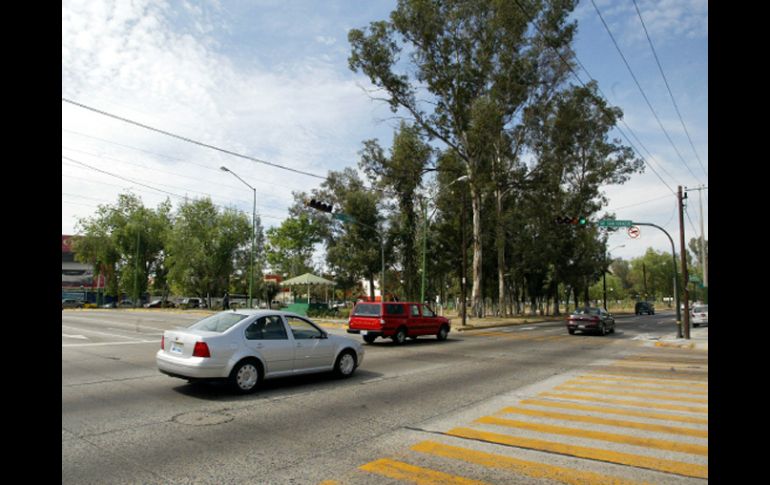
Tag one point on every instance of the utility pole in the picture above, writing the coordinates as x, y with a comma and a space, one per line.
683, 251
462, 255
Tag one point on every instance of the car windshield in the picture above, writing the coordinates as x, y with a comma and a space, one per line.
701, 309
586, 311
367, 310
219, 323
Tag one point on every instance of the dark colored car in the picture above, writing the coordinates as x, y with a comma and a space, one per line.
644, 307
590, 319
160, 304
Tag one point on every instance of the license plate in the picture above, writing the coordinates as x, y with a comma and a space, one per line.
177, 348
364, 332
581, 326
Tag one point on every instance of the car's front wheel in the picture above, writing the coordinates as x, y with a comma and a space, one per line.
442, 332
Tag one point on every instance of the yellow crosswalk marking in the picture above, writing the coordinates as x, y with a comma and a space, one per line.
607, 422
621, 385
670, 466
662, 397
617, 411
641, 404
647, 380
666, 445
415, 474
529, 468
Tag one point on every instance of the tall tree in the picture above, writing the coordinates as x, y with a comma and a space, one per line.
468, 60
202, 247
401, 174
126, 241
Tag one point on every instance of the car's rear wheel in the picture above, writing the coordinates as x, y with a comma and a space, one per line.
245, 376
346, 364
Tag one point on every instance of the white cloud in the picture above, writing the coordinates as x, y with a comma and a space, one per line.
129, 59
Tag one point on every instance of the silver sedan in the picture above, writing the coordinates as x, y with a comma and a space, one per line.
247, 346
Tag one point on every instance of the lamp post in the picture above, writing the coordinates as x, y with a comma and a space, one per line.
424, 243
253, 232
604, 273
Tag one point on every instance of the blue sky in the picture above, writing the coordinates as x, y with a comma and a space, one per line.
270, 79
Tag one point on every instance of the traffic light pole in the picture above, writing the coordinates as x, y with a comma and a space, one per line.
676, 278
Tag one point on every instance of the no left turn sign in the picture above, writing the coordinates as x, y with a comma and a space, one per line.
634, 232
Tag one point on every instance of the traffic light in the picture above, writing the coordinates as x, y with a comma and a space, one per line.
318, 205
582, 221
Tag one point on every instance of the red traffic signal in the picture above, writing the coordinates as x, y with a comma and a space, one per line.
318, 205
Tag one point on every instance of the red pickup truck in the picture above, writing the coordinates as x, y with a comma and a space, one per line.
396, 320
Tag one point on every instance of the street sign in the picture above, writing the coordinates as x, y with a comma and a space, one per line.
634, 232
615, 223
343, 217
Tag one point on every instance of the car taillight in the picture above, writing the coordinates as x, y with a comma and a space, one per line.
201, 350
162, 342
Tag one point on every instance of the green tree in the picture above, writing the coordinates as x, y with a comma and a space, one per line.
401, 174
126, 241
289, 248
202, 247
472, 65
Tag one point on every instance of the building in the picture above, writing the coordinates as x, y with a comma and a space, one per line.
77, 279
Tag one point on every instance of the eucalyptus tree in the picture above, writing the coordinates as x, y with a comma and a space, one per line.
400, 174
471, 64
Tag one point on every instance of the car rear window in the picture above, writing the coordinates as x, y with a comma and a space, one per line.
220, 323
701, 309
367, 310
586, 311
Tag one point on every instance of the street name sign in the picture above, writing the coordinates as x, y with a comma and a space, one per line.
615, 223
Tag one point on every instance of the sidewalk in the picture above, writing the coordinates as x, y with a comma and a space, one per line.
699, 340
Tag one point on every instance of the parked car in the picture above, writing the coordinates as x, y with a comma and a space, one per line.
699, 315
591, 319
396, 320
160, 304
246, 346
190, 303
71, 303
644, 307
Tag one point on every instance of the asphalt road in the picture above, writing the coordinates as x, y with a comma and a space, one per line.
525, 404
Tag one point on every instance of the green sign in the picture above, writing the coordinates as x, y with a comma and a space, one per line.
614, 223
343, 217
695, 278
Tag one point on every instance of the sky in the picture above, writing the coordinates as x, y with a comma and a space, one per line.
269, 79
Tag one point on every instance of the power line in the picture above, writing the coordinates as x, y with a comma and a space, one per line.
644, 95
190, 140
665, 80
574, 73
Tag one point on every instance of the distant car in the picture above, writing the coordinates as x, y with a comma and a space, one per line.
71, 303
190, 303
699, 315
644, 307
160, 304
590, 319
246, 346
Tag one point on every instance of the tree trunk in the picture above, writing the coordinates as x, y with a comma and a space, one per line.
476, 296
500, 246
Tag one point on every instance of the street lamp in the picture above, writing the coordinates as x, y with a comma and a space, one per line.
253, 232
424, 242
